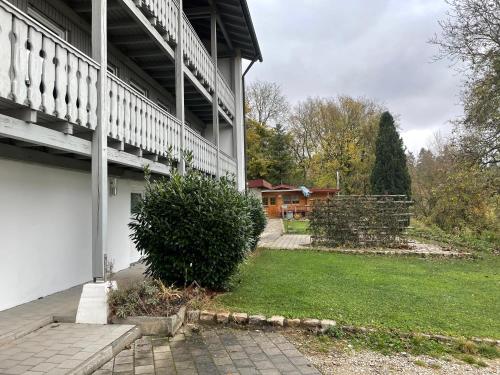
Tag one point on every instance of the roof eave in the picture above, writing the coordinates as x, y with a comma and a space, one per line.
248, 18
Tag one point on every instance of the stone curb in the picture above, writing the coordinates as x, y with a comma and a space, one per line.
156, 325
310, 324
107, 353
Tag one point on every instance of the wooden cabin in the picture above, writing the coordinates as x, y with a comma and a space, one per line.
287, 200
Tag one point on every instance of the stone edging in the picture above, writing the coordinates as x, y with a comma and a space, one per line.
314, 325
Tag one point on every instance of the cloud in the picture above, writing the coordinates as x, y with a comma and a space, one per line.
371, 48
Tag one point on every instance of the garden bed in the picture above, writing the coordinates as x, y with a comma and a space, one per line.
152, 306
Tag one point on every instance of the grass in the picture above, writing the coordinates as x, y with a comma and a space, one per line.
296, 226
453, 297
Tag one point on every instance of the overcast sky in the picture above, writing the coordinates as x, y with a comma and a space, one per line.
364, 48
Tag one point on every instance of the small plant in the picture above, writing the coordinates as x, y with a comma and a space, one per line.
420, 363
471, 360
335, 332
488, 351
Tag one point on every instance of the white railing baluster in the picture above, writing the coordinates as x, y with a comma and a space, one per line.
72, 91
35, 69
19, 68
61, 81
83, 72
5, 52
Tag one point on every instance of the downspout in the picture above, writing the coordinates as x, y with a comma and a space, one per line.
245, 120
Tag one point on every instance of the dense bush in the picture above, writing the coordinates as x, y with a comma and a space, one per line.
258, 218
192, 228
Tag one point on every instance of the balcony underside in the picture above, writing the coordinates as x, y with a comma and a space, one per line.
18, 136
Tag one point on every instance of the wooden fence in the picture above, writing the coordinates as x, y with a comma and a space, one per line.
361, 221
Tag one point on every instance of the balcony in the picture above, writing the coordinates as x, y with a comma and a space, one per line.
163, 15
55, 83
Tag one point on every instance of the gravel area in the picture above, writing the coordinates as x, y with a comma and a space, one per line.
343, 360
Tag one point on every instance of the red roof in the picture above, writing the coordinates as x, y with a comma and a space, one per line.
263, 184
284, 187
323, 190
259, 184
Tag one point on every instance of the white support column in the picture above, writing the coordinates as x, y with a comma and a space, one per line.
215, 96
179, 85
99, 142
239, 123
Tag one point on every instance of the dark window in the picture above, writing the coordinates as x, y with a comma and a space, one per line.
163, 106
265, 201
136, 86
113, 69
272, 201
57, 29
135, 199
291, 199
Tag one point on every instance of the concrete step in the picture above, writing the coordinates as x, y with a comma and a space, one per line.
66, 348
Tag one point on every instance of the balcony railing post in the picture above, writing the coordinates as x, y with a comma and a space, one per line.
179, 85
99, 143
215, 96
238, 123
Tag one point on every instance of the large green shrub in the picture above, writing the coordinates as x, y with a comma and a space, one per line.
258, 218
192, 228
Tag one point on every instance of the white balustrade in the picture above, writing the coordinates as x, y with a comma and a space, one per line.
226, 96
204, 152
196, 56
43, 72
137, 121
227, 165
165, 13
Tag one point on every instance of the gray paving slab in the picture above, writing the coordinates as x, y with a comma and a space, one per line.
57, 348
212, 350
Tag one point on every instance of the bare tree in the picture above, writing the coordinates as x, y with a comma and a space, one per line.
266, 102
471, 37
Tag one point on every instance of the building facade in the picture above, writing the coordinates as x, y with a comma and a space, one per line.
284, 200
92, 92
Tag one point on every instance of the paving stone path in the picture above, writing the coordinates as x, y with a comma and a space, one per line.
211, 351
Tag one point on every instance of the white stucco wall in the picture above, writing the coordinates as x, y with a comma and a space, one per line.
120, 249
45, 230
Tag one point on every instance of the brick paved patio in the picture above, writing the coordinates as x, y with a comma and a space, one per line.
211, 351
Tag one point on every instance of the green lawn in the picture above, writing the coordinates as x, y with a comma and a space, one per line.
456, 297
296, 226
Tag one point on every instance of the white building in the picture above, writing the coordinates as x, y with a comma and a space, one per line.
80, 118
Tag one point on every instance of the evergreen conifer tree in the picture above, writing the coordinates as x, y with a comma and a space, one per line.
280, 155
390, 172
